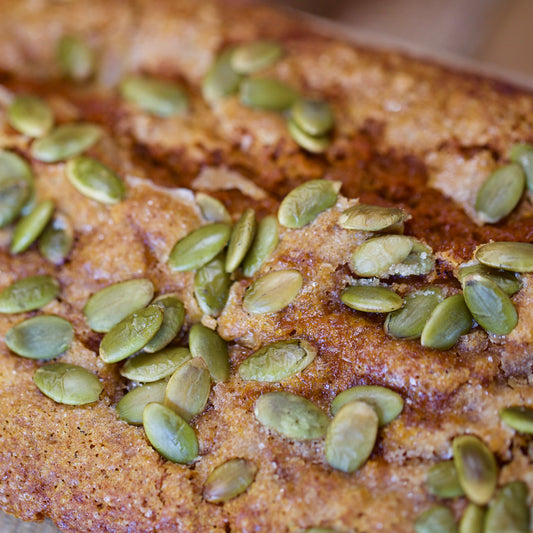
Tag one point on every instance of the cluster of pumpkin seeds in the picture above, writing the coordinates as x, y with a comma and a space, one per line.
235, 70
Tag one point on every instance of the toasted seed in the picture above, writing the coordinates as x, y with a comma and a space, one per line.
265, 242
437, 519
76, 60
371, 299
131, 406
14, 194
173, 318
272, 292
211, 286
213, 210
31, 226
56, 240
490, 306
518, 417
198, 247
68, 384
30, 115
258, 55
209, 345
442, 480
351, 436
229, 480
40, 337
507, 281
277, 361
65, 141
113, 303
304, 203
364, 217
267, 93
513, 256
314, 117
473, 519
386, 403
500, 193
375, 257
241, 239
221, 80
409, 321
447, 322
95, 180
476, 468
523, 154
509, 511
28, 294
290, 415
316, 144
131, 334
150, 367
169, 434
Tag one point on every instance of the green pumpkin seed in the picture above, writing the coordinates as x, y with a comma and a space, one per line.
447, 322
265, 242
68, 384
229, 480
351, 436
31, 226
290, 415
114, 303
364, 217
272, 292
304, 203
150, 367
268, 94
258, 55
40, 337
95, 180
442, 480
316, 144
473, 519
523, 154
476, 468
173, 318
386, 403
56, 241
507, 281
30, 115
131, 406
278, 361
198, 247
500, 193
375, 257
12, 166
131, 334
437, 519
371, 299
76, 60
209, 345
419, 261
221, 80
14, 194
211, 286
513, 256
241, 239
409, 321
314, 117
65, 141
490, 306
169, 434
213, 210
509, 511
519, 417
28, 294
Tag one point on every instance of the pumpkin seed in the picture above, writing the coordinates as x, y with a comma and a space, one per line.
76, 60
447, 322
265, 242
442, 480
523, 154
198, 247
351, 436
476, 468
437, 519
507, 281
509, 511
114, 303
304, 203
376, 256
473, 519
364, 217
68, 384
169, 434
31, 226
419, 261
268, 94
131, 406
14, 194
272, 292
490, 306
258, 55
314, 117
150, 367
30, 115
213, 210
316, 144
65, 141
211, 286
28, 294
229, 480
56, 241
131, 334
241, 239
513, 256
500, 193
95, 180
40, 337
371, 299
221, 80
173, 318
290, 415
209, 345
278, 361
386, 403
519, 417
188, 389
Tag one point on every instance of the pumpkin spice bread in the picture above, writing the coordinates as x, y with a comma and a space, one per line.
253, 278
